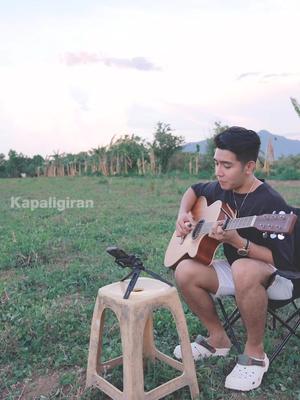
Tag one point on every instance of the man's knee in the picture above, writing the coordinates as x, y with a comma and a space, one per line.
191, 273
184, 273
248, 273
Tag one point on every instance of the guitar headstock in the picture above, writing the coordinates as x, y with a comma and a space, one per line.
275, 223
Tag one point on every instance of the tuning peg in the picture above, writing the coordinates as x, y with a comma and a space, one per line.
281, 236
265, 235
281, 212
273, 236
274, 212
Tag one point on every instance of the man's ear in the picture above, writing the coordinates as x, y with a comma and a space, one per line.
250, 167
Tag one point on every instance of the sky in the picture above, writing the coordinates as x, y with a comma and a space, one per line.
74, 73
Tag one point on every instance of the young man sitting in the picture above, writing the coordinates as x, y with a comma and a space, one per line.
250, 261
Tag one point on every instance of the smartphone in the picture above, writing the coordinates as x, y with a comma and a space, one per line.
116, 252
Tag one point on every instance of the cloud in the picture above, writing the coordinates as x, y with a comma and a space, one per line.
267, 76
80, 58
247, 75
280, 75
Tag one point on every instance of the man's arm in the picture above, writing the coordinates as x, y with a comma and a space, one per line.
184, 217
256, 251
233, 238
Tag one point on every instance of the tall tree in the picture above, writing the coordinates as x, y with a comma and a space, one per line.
2, 165
33, 164
165, 144
127, 150
207, 163
16, 164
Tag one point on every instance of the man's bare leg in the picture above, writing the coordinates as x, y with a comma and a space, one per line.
195, 282
250, 276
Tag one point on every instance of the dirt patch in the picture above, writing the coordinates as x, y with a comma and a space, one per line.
7, 275
42, 385
71, 299
51, 385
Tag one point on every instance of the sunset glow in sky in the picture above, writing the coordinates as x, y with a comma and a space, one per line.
75, 73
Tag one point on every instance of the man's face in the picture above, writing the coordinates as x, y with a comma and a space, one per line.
230, 172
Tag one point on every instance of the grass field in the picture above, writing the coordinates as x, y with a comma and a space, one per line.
52, 264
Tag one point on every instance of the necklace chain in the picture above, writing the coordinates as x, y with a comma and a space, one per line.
238, 209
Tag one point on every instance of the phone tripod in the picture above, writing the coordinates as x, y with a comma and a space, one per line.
129, 260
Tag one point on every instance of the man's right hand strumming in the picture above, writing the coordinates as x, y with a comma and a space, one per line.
184, 224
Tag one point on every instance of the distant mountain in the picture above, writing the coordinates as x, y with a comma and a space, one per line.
282, 145
191, 147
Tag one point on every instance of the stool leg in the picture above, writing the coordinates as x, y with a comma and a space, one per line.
95, 347
132, 326
149, 349
187, 357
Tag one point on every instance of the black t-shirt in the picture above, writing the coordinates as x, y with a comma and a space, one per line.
263, 200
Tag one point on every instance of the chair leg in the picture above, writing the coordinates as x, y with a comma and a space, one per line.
235, 315
232, 318
228, 325
284, 323
295, 305
284, 341
295, 313
274, 324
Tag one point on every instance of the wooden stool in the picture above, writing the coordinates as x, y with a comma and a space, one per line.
136, 328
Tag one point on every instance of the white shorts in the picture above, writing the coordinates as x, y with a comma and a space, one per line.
281, 288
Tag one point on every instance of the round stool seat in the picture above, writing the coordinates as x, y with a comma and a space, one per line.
144, 288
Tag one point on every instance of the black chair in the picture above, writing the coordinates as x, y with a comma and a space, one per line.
291, 320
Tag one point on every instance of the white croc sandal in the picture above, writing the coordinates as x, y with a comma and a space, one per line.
202, 349
247, 374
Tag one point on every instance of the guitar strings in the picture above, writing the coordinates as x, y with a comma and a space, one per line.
239, 223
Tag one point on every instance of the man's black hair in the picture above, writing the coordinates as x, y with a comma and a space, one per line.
243, 142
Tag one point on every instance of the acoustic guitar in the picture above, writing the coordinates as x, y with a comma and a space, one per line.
199, 246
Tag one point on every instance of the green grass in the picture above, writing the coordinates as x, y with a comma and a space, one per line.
52, 264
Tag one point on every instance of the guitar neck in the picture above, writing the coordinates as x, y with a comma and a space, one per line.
240, 223
274, 223
235, 223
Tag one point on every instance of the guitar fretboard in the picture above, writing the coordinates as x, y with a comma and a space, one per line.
236, 223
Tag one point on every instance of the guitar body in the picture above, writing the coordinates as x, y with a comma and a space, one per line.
202, 248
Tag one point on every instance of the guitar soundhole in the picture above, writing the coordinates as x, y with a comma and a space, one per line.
197, 230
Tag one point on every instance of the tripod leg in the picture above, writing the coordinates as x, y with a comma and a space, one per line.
127, 276
155, 275
132, 283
